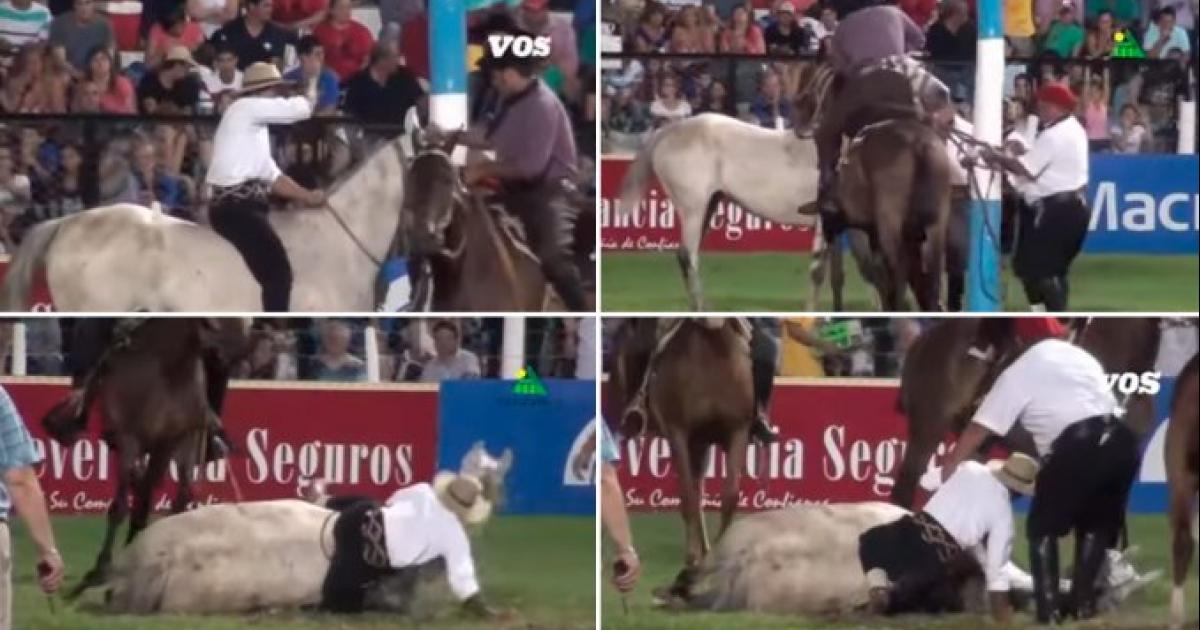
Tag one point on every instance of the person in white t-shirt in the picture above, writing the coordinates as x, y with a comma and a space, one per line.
1059, 394
915, 563
418, 524
1051, 178
244, 175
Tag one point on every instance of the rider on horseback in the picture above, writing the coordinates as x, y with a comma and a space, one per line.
243, 175
764, 351
863, 93
95, 339
535, 165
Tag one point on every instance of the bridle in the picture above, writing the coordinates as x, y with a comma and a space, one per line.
354, 238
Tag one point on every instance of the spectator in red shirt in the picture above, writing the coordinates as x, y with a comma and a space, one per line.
116, 95
347, 43
921, 11
299, 14
742, 35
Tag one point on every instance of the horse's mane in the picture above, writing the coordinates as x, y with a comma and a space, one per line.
353, 171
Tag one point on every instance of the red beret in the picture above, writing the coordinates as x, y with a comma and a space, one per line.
1034, 329
1057, 94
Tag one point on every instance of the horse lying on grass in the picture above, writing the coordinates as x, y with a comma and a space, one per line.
804, 560
264, 555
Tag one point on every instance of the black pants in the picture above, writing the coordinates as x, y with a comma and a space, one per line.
763, 354
1084, 483
350, 572
921, 580
958, 241
242, 220
1051, 233
548, 217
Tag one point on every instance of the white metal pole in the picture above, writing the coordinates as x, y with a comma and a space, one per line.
19, 350
1187, 126
512, 347
371, 349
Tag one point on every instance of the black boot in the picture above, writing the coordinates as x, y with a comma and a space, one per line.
1089, 556
761, 429
218, 445
1043, 564
1054, 295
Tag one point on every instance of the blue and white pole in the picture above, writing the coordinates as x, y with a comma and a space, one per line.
983, 263
448, 63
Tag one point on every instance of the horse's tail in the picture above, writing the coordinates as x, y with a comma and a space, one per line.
16, 294
637, 178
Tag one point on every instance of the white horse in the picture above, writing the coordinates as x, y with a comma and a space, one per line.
772, 173
132, 258
804, 560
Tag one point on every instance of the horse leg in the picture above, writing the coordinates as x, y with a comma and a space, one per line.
692, 226
837, 275
735, 461
691, 509
185, 460
1182, 491
816, 268
118, 510
934, 257
143, 489
922, 442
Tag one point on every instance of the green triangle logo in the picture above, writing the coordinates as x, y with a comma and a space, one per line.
528, 383
1126, 47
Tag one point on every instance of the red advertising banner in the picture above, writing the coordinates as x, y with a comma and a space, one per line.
840, 441
41, 300
654, 226
367, 440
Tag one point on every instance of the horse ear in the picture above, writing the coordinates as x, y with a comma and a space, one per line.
506, 462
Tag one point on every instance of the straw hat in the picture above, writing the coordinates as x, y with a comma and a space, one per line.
1018, 473
260, 76
463, 495
181, 54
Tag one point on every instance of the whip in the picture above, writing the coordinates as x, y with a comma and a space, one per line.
43, 569
620, 568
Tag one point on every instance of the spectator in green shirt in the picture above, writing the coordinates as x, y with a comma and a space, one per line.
1125, 12
1065, 35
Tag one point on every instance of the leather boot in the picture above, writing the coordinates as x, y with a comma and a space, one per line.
1089, 557
218, 445
1043, 564
761, 429
832, 221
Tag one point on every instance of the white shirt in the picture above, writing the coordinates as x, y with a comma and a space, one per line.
215, 85
958, 174
242, 146
463, 364
975, 508
418, 528
1048, 388
1058, 159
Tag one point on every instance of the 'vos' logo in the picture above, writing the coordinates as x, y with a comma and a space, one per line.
521, 45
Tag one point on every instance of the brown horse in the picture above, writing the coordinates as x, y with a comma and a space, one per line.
474, 262
943, 381
894, 192
154, 409
1182, 453
700, 394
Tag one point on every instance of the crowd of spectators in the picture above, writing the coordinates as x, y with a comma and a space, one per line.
71, 58
692, 56
334, 350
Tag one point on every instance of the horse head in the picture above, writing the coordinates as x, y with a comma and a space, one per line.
490, 470
433, 191
230, 336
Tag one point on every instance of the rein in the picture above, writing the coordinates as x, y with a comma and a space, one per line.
341, 221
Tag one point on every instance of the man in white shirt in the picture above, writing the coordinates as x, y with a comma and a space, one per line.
418, 524
1051, 178
916, 562
243, 175
450, 361
1059, 394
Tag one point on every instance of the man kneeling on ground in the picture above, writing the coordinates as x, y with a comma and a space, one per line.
916, 563
417, 524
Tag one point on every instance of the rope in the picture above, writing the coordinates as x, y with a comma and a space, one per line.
353, 237
961, 141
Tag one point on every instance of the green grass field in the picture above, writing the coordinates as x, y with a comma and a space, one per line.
659, 540
779, 282
542, 569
